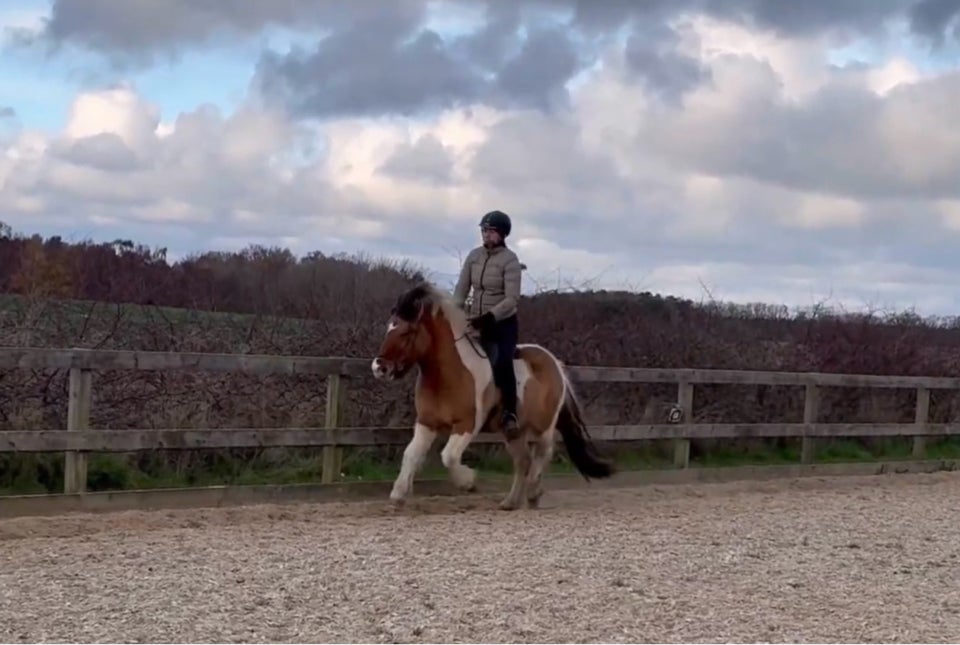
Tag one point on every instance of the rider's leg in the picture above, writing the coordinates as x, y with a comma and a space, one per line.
504, 373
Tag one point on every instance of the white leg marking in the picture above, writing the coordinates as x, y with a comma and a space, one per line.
413, 456
463, 476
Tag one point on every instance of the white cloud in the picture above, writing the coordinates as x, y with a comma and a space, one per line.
799, 64
949, 210
118, 111
894, 73
823, 211
114, 157
550, 266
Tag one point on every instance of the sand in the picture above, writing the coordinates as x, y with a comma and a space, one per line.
826, 559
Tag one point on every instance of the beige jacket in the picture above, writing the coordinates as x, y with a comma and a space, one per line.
494, 276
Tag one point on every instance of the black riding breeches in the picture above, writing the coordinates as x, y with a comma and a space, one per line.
501, 348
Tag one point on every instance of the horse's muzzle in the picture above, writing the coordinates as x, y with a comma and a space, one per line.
379, 368
386, 370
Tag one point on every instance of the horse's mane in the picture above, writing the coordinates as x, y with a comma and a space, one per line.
427, 294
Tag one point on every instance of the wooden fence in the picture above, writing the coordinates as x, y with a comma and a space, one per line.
78, 440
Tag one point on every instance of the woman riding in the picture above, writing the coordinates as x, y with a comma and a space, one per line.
493, 271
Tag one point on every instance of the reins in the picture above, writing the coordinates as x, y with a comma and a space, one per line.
473, 343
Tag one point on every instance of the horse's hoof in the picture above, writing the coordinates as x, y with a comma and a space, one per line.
509, 505
466, 483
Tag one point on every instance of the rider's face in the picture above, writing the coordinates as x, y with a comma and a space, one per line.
490, 236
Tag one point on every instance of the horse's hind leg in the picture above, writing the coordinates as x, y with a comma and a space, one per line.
520, 452
542, 454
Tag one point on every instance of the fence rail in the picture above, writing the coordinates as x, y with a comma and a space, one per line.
93, 359
79, 439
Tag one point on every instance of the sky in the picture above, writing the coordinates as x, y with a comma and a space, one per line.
794, 153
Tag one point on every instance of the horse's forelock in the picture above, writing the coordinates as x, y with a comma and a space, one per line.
408, 304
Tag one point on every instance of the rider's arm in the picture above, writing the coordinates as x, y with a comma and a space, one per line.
511, 289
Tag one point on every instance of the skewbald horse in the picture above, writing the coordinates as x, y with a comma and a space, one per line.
455, 395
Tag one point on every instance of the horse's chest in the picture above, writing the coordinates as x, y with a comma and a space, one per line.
446, 407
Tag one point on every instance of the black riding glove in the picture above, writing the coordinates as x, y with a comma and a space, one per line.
484, 322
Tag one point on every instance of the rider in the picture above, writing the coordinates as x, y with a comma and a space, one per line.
493, 272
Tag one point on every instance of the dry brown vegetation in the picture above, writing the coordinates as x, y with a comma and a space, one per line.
124, 296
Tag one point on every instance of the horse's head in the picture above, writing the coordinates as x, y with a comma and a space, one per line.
409, 335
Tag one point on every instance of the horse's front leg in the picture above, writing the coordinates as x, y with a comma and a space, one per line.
463, 477
413, 456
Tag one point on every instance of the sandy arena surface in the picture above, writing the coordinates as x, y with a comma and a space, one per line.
843, 559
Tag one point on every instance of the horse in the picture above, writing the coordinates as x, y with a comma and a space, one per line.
455, 396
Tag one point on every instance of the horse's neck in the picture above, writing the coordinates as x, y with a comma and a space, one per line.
444, 361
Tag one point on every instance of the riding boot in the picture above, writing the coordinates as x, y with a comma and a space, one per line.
505, 376
508, 387
511, 428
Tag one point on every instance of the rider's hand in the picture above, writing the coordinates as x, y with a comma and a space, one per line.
482, 322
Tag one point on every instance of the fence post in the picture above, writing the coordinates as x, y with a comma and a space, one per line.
333, 455
79, 400
681, 447
921, 416
811, 409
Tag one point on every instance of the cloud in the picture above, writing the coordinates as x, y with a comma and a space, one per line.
397, 65
150, 26
759, 150
115, 162
9, 125
844, 138
388, 64
937, 20
426, 158
391, 59
810, 18
134, 32
656, 60
376, 66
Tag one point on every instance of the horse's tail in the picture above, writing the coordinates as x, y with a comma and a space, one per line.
580, 447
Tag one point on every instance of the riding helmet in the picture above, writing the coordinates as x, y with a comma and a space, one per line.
497, 220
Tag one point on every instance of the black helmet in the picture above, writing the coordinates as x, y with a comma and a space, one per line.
497, 220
